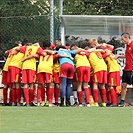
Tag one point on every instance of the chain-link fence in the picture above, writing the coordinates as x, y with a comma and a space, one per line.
30, 19
25, 19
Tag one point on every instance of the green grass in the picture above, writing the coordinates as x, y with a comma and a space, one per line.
66, 120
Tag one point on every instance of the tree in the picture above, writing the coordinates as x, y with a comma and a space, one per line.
99, 7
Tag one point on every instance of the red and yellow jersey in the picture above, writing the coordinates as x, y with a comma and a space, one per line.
81, 60
112, 65
8, 60
97, 62
108, 50
46, 64
104, 46
16, 60
30, 50
56, 67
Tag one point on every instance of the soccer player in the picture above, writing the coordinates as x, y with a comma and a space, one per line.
4, 79
14, 74
127, 72
56, 80
83, 75
99, 77
74, 85
113, 77
66, 73
44, 73
29, 71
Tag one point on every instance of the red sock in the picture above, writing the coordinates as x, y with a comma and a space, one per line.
47, 93
103, 95
26, 95
31, 96
39, 94
108, 96
87, 95
79, 93
18, 95
10, 97
5, 95
14, 95
50, 95
42, 94
113, 96
56, 94
95, 95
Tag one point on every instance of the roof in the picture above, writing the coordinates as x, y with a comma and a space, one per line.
96, 24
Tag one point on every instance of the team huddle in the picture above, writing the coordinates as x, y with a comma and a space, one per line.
57, 71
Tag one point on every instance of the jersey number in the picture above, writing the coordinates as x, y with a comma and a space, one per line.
46, 58
99, 55
29, 52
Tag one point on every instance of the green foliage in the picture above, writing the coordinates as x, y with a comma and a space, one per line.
30, 19
99, 7
23, 19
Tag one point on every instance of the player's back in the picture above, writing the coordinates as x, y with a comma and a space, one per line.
30, 63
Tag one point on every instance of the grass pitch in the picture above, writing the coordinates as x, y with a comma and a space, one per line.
66, 120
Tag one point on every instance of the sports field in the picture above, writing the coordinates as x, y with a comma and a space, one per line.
66, 119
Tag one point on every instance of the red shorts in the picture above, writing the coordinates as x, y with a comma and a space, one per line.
28, 76
66, 71
83, 74
113, 79
44, 78
4, 77
13, 74
100, 77
56, 78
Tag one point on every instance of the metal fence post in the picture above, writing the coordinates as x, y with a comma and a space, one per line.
52, 21
60, 13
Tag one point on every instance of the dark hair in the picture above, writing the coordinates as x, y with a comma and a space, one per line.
63, 47
46, 43
84, 44
72, 45
17, 42
24, 42
126, 35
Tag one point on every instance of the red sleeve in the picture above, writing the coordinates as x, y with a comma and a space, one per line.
23, 49
55, 57
67, 47
39, 51
87, 54
9, 51
104, 55
110, 48
52, 46
38, 56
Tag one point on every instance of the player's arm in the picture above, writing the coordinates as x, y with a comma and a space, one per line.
36, 44
8, 51
110, 46
48, 51
95, 50
79, 50
63, 55
120, 56
29, 57
16, 50
43, 53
